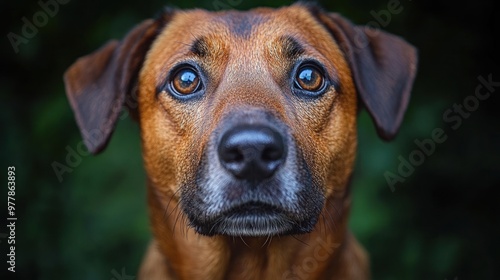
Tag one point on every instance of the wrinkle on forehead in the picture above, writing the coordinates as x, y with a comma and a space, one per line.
242, 24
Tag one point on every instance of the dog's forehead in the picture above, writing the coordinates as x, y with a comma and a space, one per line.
278, 33
257, 25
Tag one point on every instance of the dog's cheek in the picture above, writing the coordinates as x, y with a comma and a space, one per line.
341, 140
172, 145
307, 122
332, 147
162, 139
158, 145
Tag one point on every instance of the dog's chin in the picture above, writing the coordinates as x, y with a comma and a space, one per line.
252, 220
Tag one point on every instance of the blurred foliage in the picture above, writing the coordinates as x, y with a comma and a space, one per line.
441, 223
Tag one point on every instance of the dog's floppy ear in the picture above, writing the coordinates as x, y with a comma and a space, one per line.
383, 67
97, 84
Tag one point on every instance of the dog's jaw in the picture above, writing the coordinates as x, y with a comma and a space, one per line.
177, 247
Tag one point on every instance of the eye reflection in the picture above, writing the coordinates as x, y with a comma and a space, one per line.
185, 81
309, 78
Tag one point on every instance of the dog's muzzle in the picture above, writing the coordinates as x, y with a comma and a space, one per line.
252, 181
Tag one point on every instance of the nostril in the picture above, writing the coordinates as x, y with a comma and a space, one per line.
232, 155
272, 154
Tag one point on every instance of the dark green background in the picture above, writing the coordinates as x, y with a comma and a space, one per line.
441, 223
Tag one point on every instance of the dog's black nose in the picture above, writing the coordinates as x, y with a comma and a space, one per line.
252, 152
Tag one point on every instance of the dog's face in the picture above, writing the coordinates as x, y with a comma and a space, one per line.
248, 119
253, 116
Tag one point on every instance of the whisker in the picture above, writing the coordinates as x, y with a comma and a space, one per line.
301, 241
244, 241
179, 214
165, 216
331, 217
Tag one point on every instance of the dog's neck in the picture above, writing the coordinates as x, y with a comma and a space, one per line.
188, 255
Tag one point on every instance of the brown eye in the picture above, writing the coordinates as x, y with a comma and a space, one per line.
185, 81
309, 78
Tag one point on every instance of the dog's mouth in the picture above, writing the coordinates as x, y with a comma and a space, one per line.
248, 219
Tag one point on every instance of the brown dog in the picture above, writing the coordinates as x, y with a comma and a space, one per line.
248, 123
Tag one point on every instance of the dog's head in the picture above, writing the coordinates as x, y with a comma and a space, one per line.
248, 119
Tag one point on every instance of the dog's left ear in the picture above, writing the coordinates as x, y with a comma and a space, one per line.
97, 84
383, 67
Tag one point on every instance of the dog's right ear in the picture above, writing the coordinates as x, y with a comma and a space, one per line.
383, 68
97, 84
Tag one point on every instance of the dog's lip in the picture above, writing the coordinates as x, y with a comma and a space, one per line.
252, 208
251, 219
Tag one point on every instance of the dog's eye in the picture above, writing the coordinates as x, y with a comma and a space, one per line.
185, 81
309, 78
